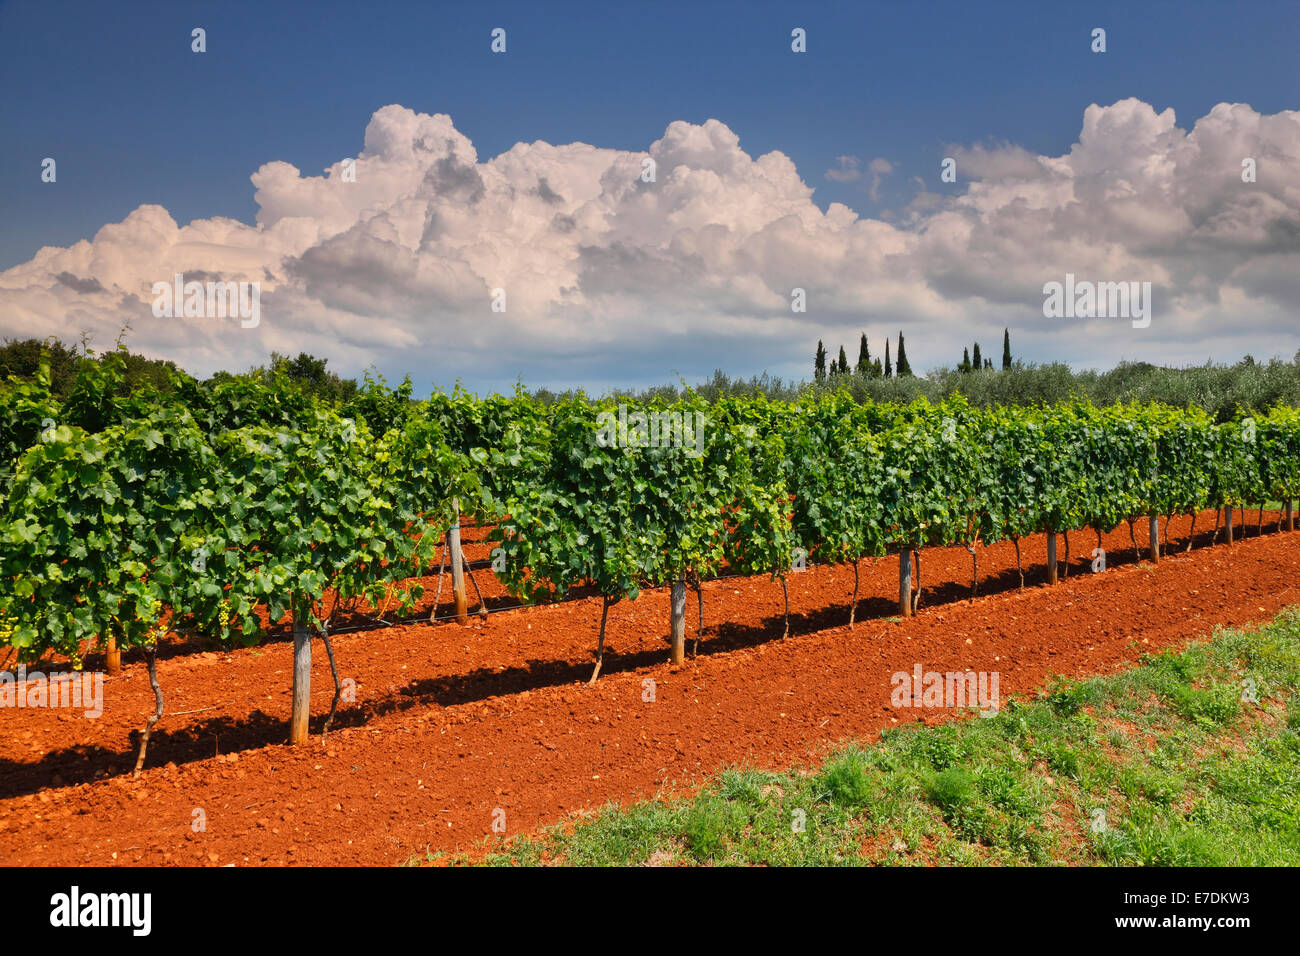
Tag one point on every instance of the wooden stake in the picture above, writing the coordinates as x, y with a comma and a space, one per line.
301, 677
786, 594
112, 656
678, 622
1228, 523
457, 566
916, 580
905, 582
1153, 532
1290, 518
1051, 557
853, 606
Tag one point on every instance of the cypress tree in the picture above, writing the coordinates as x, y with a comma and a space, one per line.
842, 367
1006, 349
903, 367
863, 367
819, 363
975, 359
889, 371
965, 360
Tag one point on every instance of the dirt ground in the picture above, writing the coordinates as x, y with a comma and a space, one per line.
455, 727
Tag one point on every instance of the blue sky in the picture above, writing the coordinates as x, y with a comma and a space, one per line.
133, 117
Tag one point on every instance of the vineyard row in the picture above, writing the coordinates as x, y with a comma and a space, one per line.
126, 516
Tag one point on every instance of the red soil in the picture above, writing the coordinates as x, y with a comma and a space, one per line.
453, 723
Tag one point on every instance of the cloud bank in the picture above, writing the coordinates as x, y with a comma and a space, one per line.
608, 278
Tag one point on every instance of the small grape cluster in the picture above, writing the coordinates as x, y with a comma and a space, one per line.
155, 611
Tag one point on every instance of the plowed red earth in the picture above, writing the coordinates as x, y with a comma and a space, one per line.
452, 724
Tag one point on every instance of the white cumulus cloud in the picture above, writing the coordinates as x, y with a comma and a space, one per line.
611, 279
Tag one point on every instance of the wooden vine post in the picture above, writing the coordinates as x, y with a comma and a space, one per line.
457, 564
678, 621
1228, 523
301, 675
853, 607
1290, 518
1153, 521
1051, 557
112, 656
905, 582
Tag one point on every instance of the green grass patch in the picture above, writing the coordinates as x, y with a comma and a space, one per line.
1187, 759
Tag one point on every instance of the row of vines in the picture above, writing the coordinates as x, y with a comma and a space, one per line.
224, 509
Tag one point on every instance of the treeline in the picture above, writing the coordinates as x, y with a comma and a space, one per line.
866, 366
973, 361
21, 359
1222, 390
1219, 388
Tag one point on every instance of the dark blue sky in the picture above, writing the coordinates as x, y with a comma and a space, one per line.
112, 91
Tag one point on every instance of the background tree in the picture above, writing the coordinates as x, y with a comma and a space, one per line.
309, 374
965, 360
21, 359
903, 367
889, 371
819, 363
842, 366
975, 360
1006, 349
863, 367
